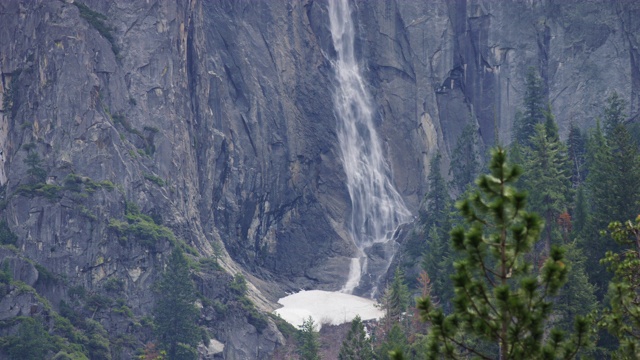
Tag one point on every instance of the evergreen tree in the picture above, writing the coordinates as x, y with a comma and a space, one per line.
622, 317
32, 342
613, 185
396, 341
576, 145
395, 300
436, 202
580, 212
500, 307
546, 178
625, 162
437, 262
308, 343
35, 170
434, 211
175, 311
598, 184
357, 346
465, 164
577, 296
534, 108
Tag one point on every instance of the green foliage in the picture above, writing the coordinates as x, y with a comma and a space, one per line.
6, 276
7, 100
308, 342
238, 285
77, 183
209, 264
534, 105
154, 179
98, 342
437, 262
45, 276
577, 152
500, 306
175, 313
547, 178
622, 317
396, 342
395, 299
49, 191
7, 237
254, 317
434, 220
77, 292
576, 297
357, 345
286, 329
97, 302
97, 20
612, 184
142, 228
465, 162
435, 205
114, 285
34, 168
31, 342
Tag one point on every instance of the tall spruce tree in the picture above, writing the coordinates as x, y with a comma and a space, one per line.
547, 178
577, 296
500, 308
577, 149
435, 209
308, 342
533, 108
465, 163
395, 299
613, 185
357, 345
175, 311
625, 162
437, 262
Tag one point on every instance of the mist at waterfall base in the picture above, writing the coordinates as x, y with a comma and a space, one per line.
377, 207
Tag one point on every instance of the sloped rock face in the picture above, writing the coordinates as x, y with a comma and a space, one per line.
465, 61
216, 119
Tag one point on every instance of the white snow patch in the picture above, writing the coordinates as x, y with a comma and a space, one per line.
326, 307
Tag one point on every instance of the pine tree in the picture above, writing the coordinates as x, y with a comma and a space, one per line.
435, 208
576, 145
613, 185
625, 162
500, 307
396, 298
396, 341
437, 262
308, 343
356, 346
534, 108
546, 177
622, 317
31, 342
35, 170
464, 159
577, 296
175, 311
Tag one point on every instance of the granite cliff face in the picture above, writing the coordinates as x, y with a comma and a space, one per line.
215, 118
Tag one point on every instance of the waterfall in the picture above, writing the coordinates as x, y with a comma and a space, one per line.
377, 207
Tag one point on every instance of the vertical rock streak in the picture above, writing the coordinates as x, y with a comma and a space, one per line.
377, 208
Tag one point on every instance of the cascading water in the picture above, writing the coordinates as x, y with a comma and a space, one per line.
377, 208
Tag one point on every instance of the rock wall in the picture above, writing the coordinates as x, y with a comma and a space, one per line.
216, 119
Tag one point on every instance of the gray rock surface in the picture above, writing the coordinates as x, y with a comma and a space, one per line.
216, 119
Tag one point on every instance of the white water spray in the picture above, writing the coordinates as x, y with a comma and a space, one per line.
377, 208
